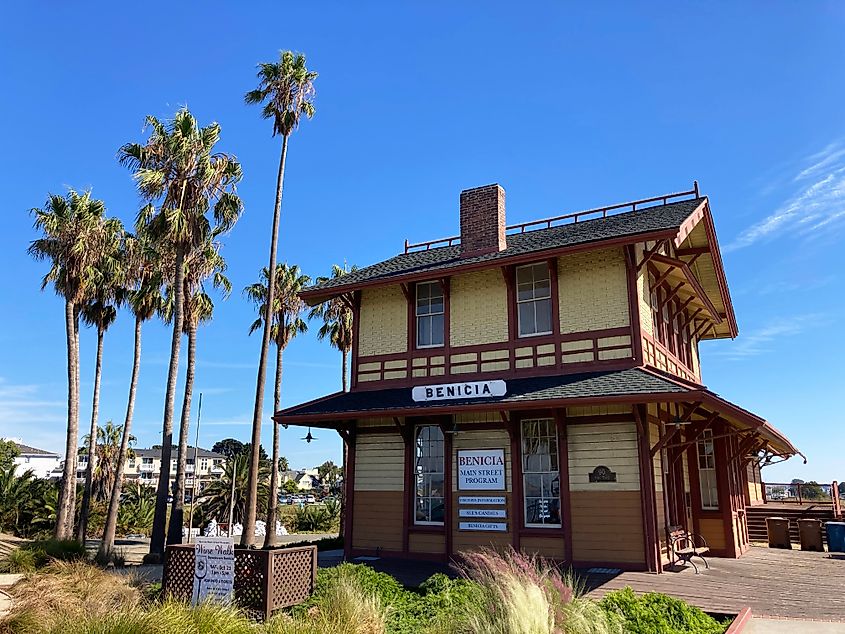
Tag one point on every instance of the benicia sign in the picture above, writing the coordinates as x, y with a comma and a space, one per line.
471, 389
481, 470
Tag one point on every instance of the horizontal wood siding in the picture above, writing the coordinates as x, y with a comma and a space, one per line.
379, 463
549, 547
377, 520
607, 526
613, 445
431, 543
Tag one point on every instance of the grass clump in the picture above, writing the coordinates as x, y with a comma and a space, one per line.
19, 560
35, 555
655, 613
65, 592
525, 594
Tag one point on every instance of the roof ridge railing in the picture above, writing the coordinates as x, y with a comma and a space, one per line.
573, 218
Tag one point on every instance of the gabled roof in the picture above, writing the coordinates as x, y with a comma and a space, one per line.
26, 450
156, 453
662, 220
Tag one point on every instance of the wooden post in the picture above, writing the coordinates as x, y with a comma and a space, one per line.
649, 510
349, 493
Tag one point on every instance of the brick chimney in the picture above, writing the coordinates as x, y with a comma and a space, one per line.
482, 220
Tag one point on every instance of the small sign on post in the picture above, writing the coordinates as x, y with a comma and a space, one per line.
214, 569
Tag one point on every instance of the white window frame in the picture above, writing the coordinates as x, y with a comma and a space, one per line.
708, 483
553, 471
423, 474
535, 299
433, 284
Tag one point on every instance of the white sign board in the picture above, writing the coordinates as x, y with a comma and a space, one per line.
450, 391
481, 469
214, 569
499, 527
486, 499
499, 513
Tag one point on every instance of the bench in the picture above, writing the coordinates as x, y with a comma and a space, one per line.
686, 545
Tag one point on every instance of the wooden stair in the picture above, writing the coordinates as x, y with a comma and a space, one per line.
756, 516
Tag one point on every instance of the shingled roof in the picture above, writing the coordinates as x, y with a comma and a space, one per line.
628, 382
658, 218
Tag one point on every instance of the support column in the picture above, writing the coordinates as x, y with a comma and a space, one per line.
649, 509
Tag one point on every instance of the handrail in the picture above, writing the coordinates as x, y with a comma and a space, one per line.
802, 492
574, 217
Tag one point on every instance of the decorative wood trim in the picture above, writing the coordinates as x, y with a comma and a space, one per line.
561, 423
356, 327
632, 272
349, 492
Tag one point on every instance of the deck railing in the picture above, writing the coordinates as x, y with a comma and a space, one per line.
570, 218
804, 493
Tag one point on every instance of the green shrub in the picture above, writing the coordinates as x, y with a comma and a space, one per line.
313, 519
655, 613
19, 560
37, 554
326, 543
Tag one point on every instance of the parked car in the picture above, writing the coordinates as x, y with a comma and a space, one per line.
310, 499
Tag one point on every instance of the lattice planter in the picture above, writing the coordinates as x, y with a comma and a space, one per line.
265, 580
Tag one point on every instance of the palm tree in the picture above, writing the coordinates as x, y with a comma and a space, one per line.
337, 321
142, 293
203, 263
75, 231
99, 312
216, 497
178, 167
286, 91
287, 324
14, 491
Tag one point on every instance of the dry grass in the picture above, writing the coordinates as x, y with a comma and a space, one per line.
65, 592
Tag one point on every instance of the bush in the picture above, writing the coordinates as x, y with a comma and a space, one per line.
35, 555
655, 613
326, 543
313, 519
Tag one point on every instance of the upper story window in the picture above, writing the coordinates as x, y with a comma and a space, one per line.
534, 299
707, 472
540, 473
204, 464
147, 460
429, 314
429, 498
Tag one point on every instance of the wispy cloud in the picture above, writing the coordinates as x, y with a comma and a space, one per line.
27, 413
815, 207
758, 341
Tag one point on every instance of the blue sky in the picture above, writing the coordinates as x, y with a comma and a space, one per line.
566, 107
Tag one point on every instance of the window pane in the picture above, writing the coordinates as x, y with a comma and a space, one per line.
436, 330
524, 275
423, 331
541, 477
430, 481
533, 485
524, 292
542, 288
543, 308
527, 325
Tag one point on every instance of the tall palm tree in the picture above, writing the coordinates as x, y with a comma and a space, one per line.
202, 264
287, 324
99, 312
74, 231
286, 92
142, 293
106, 452
337, 322
178, 167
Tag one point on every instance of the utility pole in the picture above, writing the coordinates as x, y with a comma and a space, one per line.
196, 466
234, 460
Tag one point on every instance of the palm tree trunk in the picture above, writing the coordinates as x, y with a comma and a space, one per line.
67, 496
273, 499
177, 509
248, 537
82, 528
160, 518
107, 544
343, 373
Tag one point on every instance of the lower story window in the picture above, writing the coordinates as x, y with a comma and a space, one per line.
429, 498
540, 473
707, 472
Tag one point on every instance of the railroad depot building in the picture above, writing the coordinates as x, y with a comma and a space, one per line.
539, 386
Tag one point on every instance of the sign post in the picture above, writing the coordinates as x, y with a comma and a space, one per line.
214, 570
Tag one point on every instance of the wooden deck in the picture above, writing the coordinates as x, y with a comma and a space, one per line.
789, 584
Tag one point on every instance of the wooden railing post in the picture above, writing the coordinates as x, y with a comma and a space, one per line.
837, 502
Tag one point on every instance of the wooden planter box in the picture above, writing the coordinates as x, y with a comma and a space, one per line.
265, 580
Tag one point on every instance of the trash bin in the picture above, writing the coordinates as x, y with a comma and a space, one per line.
778, 530
835, 537
810, 535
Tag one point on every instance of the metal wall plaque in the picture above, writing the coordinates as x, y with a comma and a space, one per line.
602, 474
499, 527
492, 500
497, 513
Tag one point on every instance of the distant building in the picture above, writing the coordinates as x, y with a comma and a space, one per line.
40, 461
145, 467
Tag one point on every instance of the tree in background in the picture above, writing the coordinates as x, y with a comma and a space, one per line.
178, 168
285, 92
286, 314
290, 487
106, 452
201, 265
100, 312
218, 494
8, 452
230, 447
329, 473
336, 316
74, 233
142, 294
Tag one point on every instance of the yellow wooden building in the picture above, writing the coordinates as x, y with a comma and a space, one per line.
539, 386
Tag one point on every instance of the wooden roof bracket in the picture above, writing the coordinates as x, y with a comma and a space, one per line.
403, 430
651, 253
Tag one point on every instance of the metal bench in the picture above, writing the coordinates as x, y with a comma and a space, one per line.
686, 545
